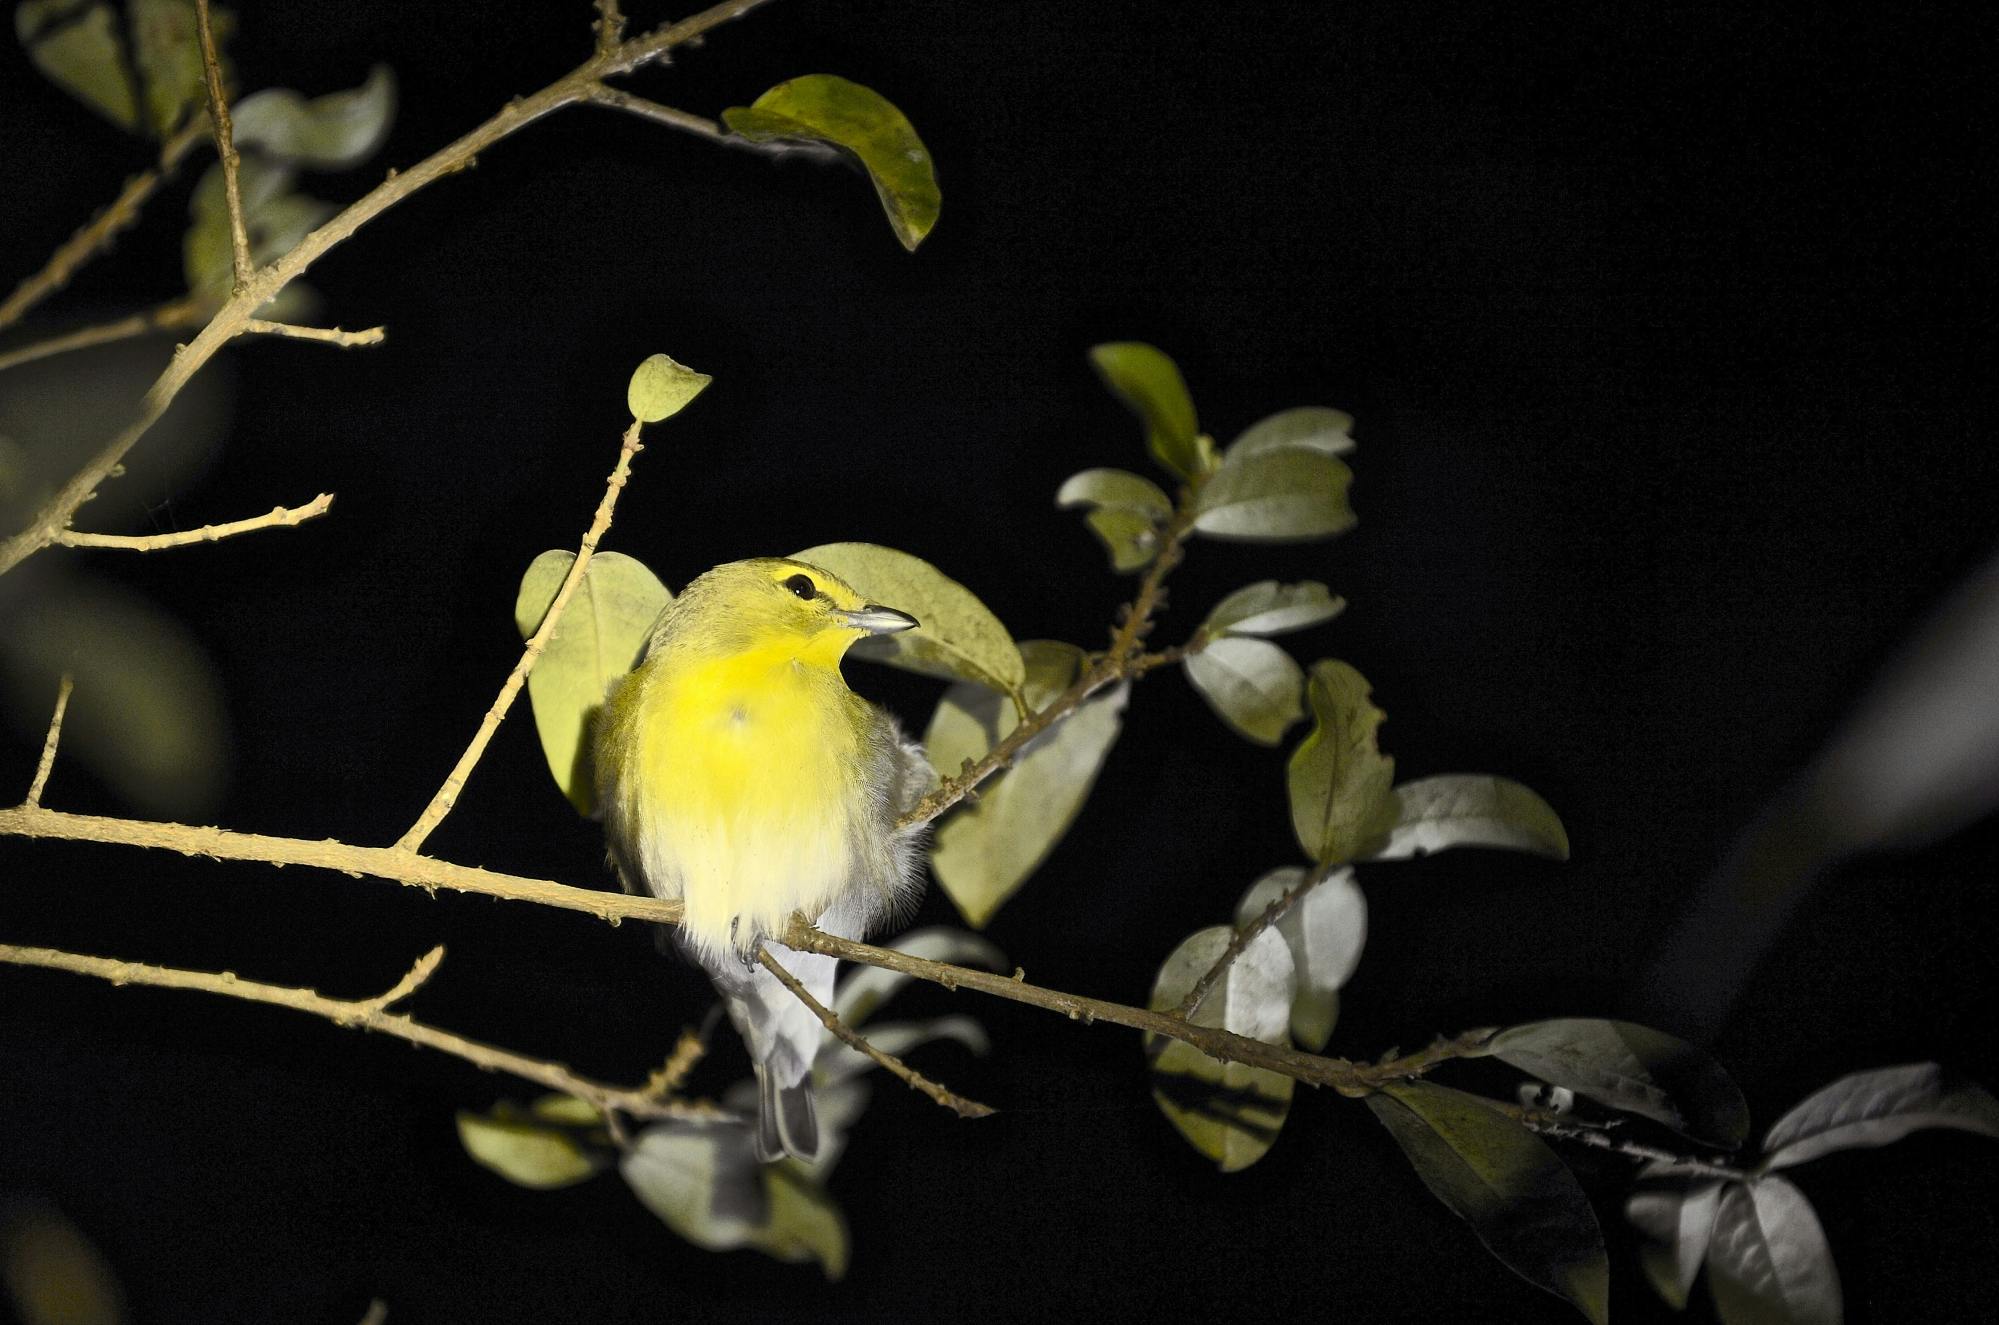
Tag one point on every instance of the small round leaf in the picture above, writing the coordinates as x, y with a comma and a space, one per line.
661, 388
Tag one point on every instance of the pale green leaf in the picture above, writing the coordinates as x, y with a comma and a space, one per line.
1472, 810
526, 1154
958, 636
1113, 487
836, 1062
1768, 1262
1343, 802
1633, 1068
985, 850
275, 218
1149, 384
1229, 1112
704, 1183
1130, 537
1875, 1108
566, 1110
660, 388
1517, 1195
147, 714
333, 132
860, 122
1277, 496
1270, 608
78, 46
1325, 930
863, 989
166, 45
1676, 1214
597, 641
1308, 428
1251, 684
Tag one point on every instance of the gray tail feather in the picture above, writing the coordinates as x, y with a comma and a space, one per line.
787, 1121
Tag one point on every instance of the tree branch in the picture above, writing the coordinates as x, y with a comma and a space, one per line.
610, 25
225, 145
95, 237
369, 1015
277, 517
48, 760
1246, 935
175, 315
447, 794
883, 1059
41, 530
612, 98
256, 326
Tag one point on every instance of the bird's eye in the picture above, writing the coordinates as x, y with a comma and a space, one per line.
802, 586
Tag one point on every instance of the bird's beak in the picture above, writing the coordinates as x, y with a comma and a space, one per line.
878, 620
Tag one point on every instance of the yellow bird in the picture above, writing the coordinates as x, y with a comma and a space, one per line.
738, 773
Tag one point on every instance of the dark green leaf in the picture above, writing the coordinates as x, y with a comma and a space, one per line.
1521, 1200
1633, 1068
1251, 684
1270, 608
1282, 495
167, 46
1149, 383
334, 132
1342, 798
1768, 1263
1125, 513
1875, 1108
822, 108
1229, 1112
1473, 810
1309, 428
78, 47
1325, 930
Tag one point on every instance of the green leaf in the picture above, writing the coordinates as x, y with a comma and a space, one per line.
78, 46
542, 1154
1876, 1108
1521, 1200
1633, 1068
1768, 1263
1126, 512
1270, 608
836, 1062
334, 132
703, 1182
860, 122
661, 388
865, 988
986, 849
959, 637
1676, 1214
1229, 1112
1473, 810
50, 1272
1251, 684
1309, 428
1277, 496
1149, 384
597, 641
1325, 930
147, 714
1343, 804
167, 45
275, 218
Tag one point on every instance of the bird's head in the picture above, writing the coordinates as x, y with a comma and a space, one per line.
791, 605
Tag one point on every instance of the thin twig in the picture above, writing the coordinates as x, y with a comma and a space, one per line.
612, 98
49, 743
610, 26
1244, 936
257, 326
181, 314
367, 1015
41, 530
413, 979
883, 1059
688, 1050
276, 518
95, 237
447, 794
225, 145
1601, 1138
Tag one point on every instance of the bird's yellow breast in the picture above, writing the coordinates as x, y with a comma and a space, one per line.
747, 780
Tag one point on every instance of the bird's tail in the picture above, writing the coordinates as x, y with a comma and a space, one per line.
787, 1120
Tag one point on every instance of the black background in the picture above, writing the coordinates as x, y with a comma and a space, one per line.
1669, 337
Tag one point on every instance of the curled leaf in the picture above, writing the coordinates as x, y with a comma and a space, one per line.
1676, 1214
1125, 513
958, 637
1342, 798
1633, 1068
862, 124
597, 641
333, 132
704, 1183
1521, 1200
1472, 810
1149, 383
1876, 1108
1229, 1112
1251, 684
1308, 428
1279, 495
1270, 608
78, 46
1325, 930
985, 850
837, 1062
660, 388
1768, 1261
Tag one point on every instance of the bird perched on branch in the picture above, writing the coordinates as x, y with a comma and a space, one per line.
738, 773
